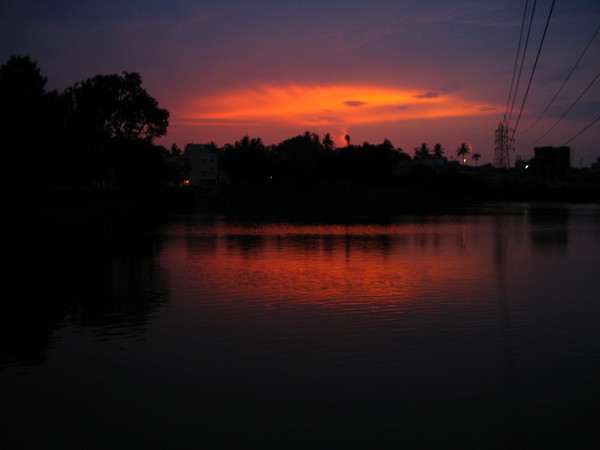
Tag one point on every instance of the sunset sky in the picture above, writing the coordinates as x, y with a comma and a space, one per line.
409, 71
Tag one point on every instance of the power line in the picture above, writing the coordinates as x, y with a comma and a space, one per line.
522, 62
564, 82
582, 131
569, 109
512, 81
504, 142
534, 66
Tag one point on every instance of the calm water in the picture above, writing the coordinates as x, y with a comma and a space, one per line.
455, 331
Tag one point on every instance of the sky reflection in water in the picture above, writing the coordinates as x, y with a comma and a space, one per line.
463, 331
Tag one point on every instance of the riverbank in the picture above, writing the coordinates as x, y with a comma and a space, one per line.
351, 200
84, 205
73, 203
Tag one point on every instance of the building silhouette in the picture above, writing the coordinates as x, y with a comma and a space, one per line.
551, 162
202, 164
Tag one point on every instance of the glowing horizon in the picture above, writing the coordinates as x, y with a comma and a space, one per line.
317, 105
410, 72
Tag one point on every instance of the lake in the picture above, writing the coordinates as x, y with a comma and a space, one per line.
471, 330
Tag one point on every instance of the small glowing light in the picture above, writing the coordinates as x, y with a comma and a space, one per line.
527, 166
185, 182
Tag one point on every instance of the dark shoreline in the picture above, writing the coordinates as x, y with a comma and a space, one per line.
81, 205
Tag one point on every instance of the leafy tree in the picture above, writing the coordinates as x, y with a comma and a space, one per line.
402, 156
175, 150
299, 158
386, 145
462, 151
85, 134
20, 78
245, 161
116, 107
476, 157
139, 163
365, 164
107, 117
28, 121
21, 100
438, 151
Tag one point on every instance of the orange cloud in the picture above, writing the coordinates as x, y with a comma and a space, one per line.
308, 105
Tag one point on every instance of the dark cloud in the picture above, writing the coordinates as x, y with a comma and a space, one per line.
438, 92
427, 95
354, 103
450, 88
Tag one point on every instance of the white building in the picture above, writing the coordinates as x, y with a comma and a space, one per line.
202, 161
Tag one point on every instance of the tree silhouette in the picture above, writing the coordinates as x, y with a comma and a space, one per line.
21, 78
117, 107
21, 99
462, 151
175, 150
386, 145
28, 121
107, 117
328, 142
422, 151
245, 161
103, 129
299, 159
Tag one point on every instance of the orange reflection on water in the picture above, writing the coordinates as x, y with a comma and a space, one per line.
349, 267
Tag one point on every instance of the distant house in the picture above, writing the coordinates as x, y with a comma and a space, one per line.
433, 162
202, 164
522, 164
551, 162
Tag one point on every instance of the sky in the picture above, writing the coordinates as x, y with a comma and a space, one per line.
408, 71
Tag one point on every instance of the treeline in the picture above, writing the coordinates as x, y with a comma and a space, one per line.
306, 159
100, 130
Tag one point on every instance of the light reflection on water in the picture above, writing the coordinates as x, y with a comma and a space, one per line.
470, 331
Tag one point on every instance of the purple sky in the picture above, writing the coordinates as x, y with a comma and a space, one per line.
408, 71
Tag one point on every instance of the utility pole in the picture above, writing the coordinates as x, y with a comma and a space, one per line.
504, 143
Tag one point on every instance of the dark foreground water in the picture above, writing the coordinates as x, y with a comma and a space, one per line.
477, 330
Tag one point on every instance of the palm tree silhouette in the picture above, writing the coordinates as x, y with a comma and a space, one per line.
476, 157
462, 151
422, 151
328, 142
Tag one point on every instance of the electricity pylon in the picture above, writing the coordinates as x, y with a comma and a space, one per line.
504, 142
